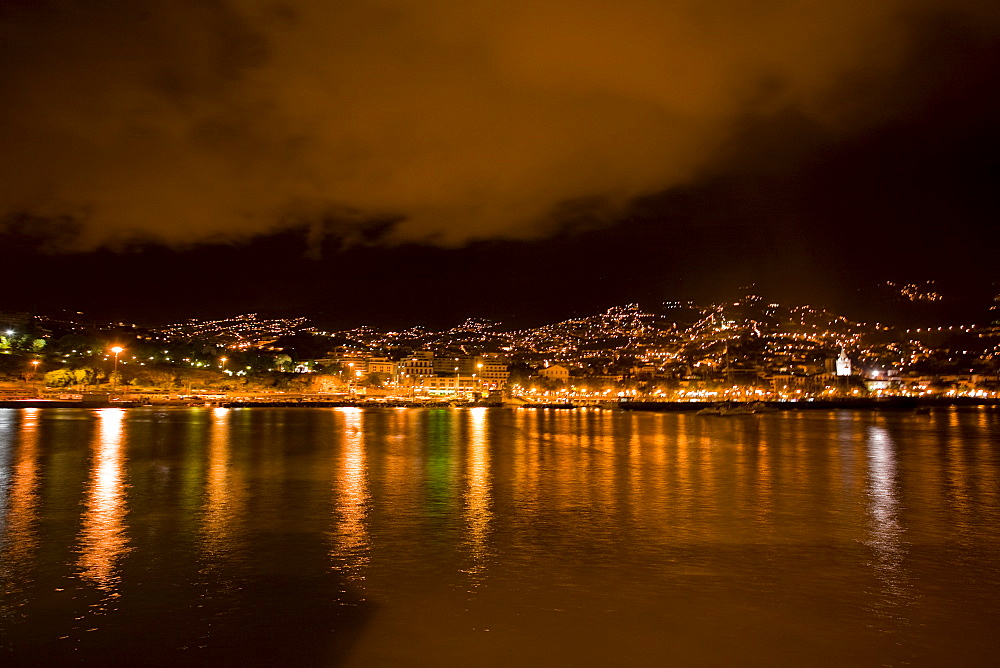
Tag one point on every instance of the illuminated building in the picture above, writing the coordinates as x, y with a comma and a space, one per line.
555, 372
843, 364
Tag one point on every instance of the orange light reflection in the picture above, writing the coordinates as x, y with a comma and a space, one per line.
19, 540
478, 515
223, 491
352, 498
103, 540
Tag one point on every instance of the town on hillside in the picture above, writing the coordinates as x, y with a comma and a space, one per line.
746, 350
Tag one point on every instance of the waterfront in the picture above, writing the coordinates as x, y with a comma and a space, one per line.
344, 536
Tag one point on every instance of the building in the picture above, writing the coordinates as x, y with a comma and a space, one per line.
442, 385
418, 365
843, 364
381, 365
344, 364
491, 371
555, 372
444, 366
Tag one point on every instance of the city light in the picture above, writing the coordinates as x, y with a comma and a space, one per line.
742, 350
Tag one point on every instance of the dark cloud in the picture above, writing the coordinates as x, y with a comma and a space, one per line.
439, 121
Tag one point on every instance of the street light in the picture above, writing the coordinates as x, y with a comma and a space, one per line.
114, 374
34, 368
223, 360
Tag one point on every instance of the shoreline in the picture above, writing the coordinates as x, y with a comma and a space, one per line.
878, 404
884, 403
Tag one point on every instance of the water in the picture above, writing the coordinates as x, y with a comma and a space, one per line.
492, 537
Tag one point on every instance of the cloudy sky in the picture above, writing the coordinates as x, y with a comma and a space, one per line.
491, 151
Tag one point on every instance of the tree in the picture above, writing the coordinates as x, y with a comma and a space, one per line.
519, 373
60, 378
326, 383
283, 363
87, 375
376, 379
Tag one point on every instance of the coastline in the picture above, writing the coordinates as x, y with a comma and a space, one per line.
873, 404
876, 404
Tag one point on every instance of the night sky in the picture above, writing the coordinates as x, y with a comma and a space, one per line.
398, 162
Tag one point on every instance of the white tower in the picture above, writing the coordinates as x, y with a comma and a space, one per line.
843, 364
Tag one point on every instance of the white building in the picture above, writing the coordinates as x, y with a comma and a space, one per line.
843, 364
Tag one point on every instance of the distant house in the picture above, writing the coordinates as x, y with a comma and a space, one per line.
381, 365
555, 372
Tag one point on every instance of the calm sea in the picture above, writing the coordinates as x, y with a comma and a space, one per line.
496, 537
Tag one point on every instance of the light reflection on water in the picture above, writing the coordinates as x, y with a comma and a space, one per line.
19, 499
498, 537
477, 494
225, 491
104, 538
886, 533
352, 498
